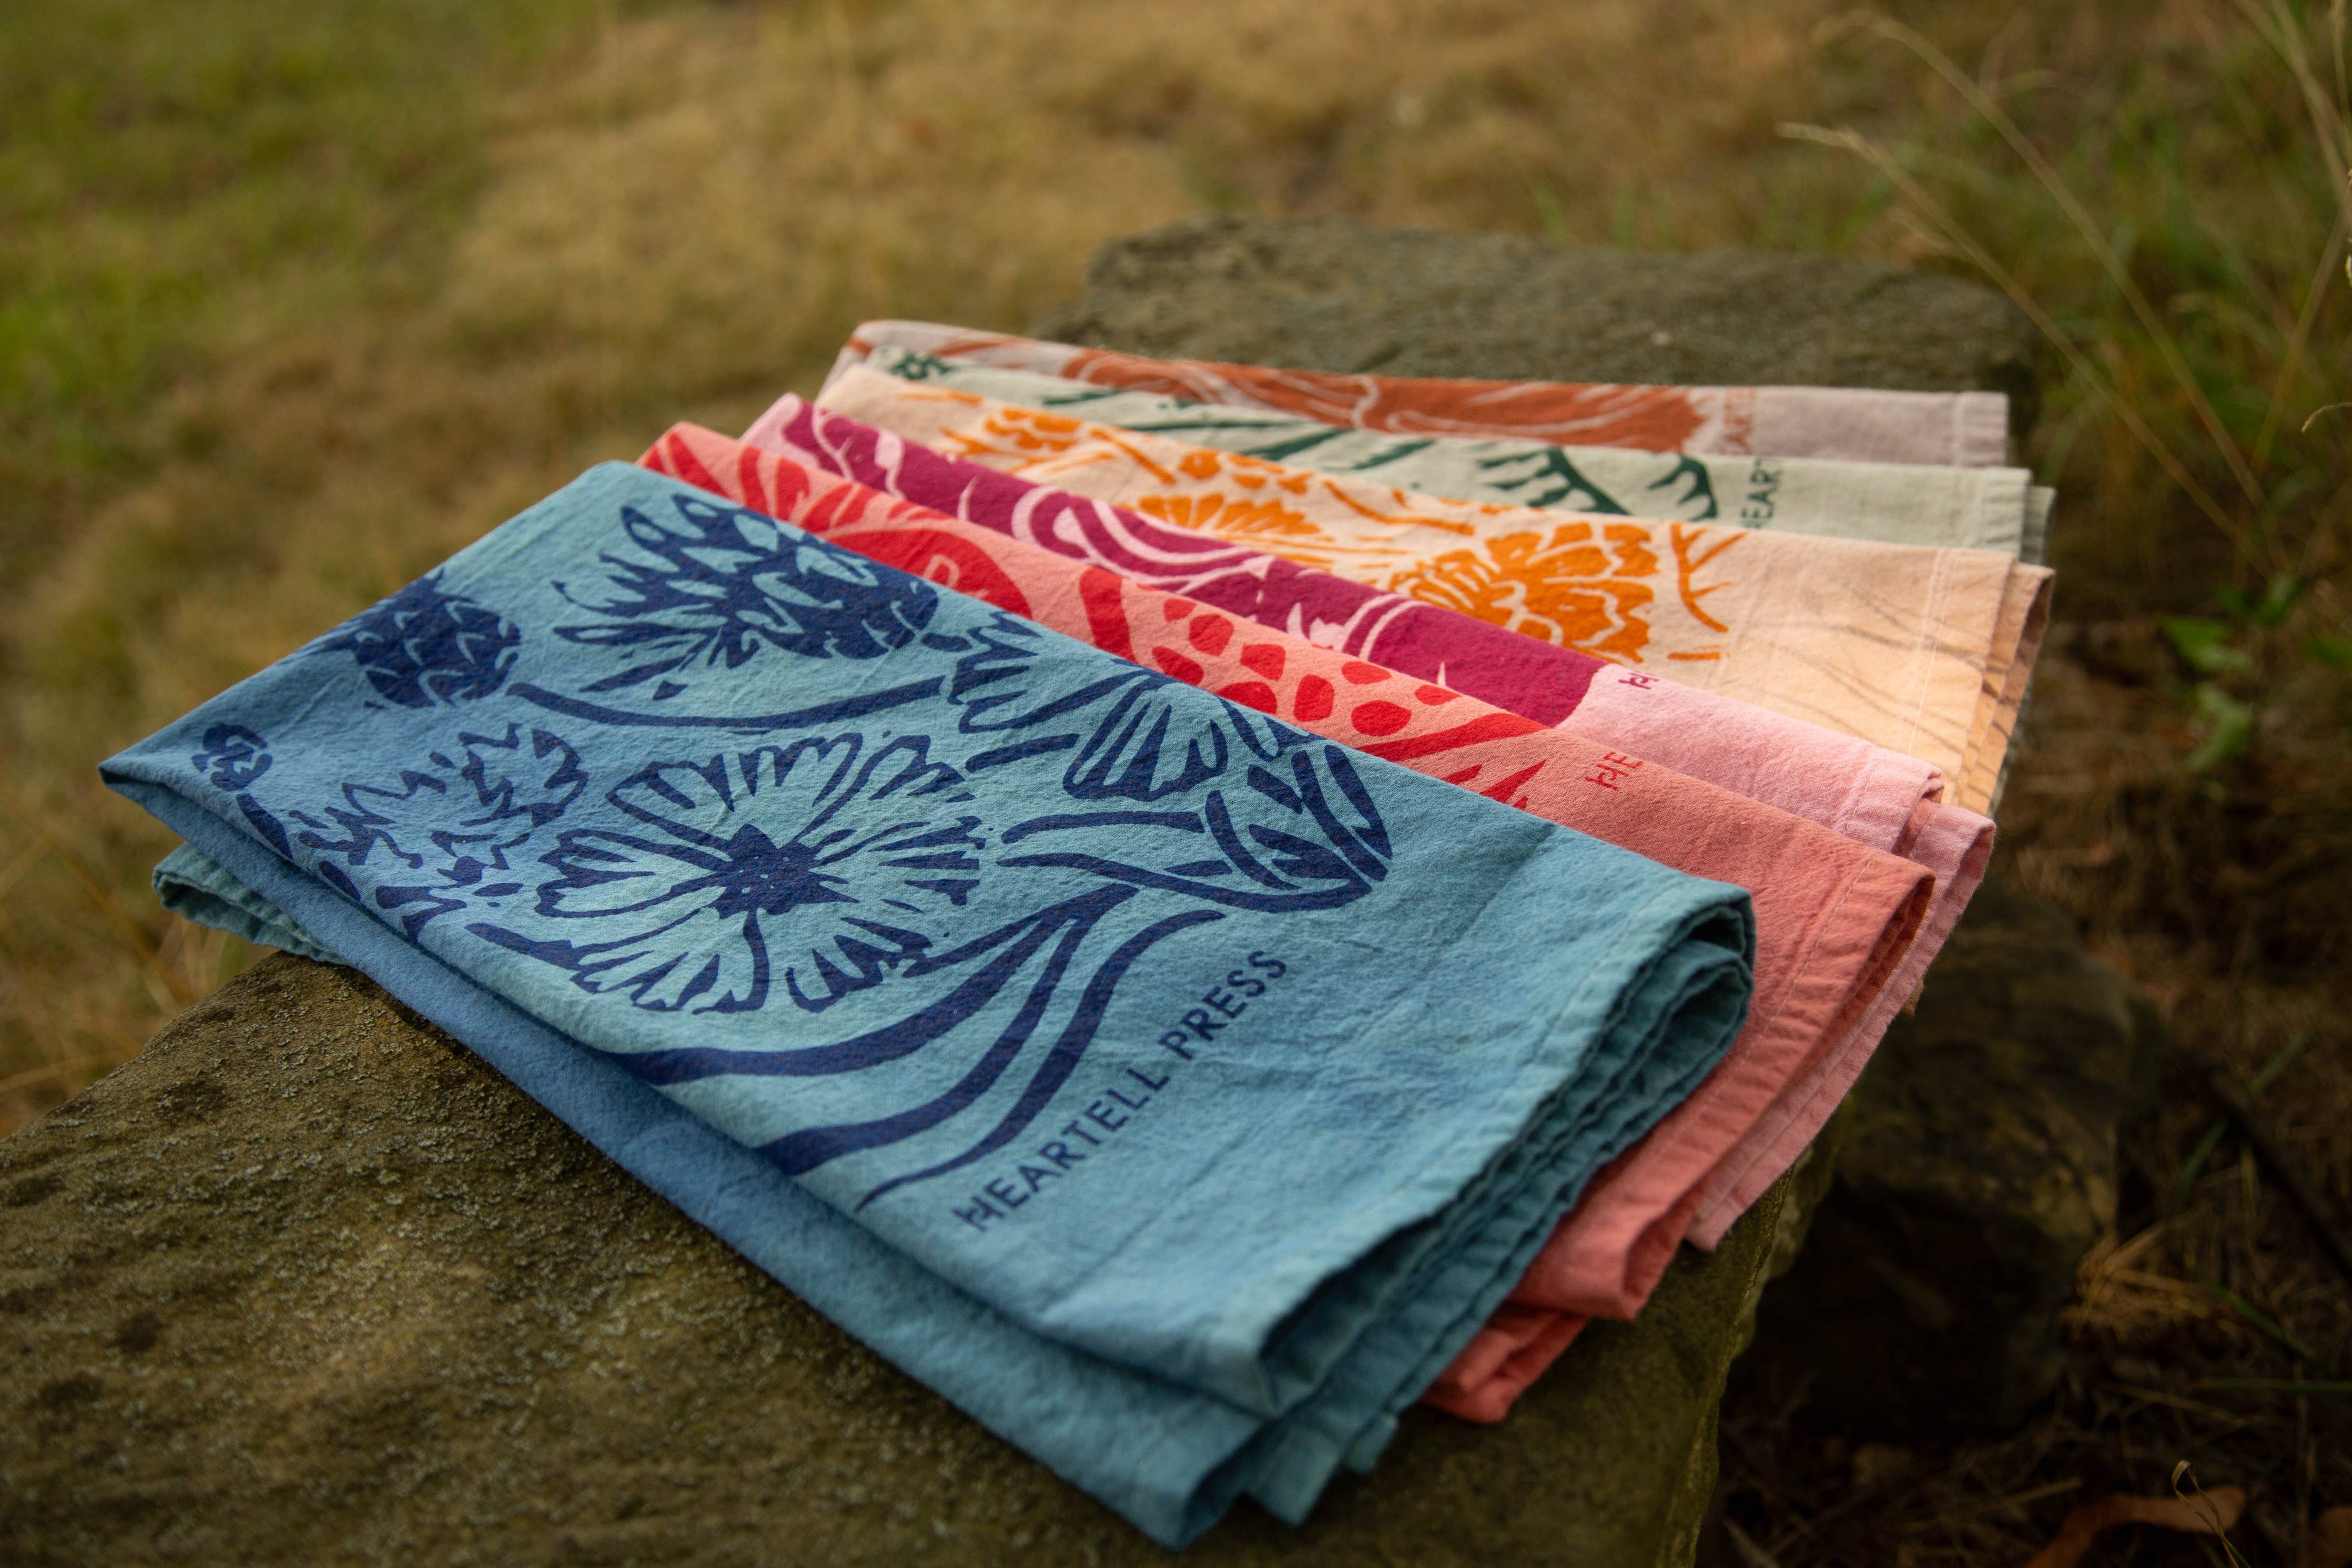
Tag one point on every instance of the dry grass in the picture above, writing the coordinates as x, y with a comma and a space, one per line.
667, 215
289, 311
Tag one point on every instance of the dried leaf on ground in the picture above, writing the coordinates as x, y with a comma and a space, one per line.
2329, 1545
2208, 1514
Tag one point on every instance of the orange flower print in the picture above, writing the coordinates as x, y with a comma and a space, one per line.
1200, 462
1569, 587
1689, 558
1630, 543
1232, 517
1017, 433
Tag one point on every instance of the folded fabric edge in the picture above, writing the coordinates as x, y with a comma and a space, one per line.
1863, 1007
195, 887
1516, 1353
2023, 621
1771, 1149
1678, 1005
1457, 1292
1980, 429
2041, 500
1522, 1350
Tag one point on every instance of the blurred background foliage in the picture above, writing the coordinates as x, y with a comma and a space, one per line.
298, 299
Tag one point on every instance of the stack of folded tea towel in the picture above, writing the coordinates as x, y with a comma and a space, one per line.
1190, 906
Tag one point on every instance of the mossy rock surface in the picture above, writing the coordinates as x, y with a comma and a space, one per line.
1332, 295
306, 1282
1977, 1169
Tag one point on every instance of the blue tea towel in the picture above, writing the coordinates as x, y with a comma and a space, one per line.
1173, 1090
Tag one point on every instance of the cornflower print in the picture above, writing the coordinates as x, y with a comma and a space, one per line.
425, 645
823, 866
711, 585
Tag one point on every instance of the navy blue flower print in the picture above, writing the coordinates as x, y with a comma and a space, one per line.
814, 870
1297, 833
451, 826
824, 866
424, 645
1124, 732
712, 585
954, 856
234, 756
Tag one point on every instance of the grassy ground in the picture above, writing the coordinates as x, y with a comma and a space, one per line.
296, 300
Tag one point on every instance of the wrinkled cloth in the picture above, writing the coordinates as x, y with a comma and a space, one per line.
1832, 917
1856, 424
192, 885
1866, 793
1960, 509
1175, 1091
1920, 650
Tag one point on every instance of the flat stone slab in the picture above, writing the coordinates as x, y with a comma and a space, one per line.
1331, 295
306, 1282
1978, 1166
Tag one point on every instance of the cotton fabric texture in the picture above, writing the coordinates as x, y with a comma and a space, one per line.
1920, 651
1876, 797
1083, 1016
191, 884
1834, 917
1968, 429
1962, 508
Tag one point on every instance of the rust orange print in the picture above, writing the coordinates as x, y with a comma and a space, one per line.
1583, 587
1655, 419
